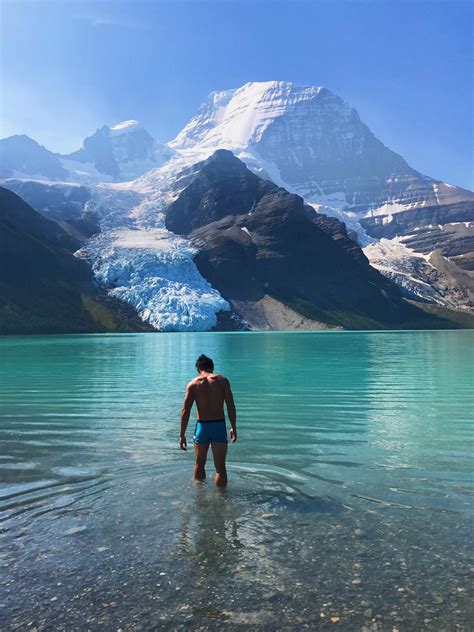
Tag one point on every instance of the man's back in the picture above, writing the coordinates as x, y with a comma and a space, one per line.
209, 394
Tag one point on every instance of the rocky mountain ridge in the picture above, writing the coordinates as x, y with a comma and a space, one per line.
256, 241
119, 153
311, 142
415, 230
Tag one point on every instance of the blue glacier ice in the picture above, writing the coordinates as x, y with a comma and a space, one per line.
153, 270
142, 263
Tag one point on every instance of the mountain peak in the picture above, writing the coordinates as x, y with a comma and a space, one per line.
223, 155
275, 84
124, 127
304, 137
122, 152
21, 138
22, 156
240, 117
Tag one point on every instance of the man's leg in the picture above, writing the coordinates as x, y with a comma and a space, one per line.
200, 450
219, 452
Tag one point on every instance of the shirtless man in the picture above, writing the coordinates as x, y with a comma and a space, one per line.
209, 390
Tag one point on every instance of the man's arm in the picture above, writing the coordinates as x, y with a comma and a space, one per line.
185, 412
229, 402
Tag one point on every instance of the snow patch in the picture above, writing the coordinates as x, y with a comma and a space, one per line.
124, 127
388, 209
84, 172
409, 269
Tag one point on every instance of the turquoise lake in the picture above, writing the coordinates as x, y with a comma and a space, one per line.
350, 497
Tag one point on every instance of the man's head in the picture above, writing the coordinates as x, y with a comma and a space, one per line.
203, 363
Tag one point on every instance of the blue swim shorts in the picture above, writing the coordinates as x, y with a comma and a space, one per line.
213, 431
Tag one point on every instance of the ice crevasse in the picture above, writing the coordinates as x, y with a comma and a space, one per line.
153, 270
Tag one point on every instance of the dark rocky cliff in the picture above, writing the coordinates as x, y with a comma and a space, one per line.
255, 239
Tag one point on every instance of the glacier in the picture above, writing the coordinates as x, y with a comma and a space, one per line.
153, 270
304, 138
142, 263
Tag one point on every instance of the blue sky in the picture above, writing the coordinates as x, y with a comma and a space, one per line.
406, 65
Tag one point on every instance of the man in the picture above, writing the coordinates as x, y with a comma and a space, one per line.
209, 390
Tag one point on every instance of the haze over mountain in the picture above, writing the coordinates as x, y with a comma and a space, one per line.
23, 157
111, 154
417, 231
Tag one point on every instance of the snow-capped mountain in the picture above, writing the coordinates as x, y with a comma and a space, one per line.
417, 231
111, 154
311, 142
260, 245
117, 154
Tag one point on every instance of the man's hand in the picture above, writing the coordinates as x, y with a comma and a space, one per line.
233, 435
182, 443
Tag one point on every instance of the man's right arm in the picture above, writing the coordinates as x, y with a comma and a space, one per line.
231, 411
185, 412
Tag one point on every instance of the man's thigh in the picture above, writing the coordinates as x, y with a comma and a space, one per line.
200, 450
219, 453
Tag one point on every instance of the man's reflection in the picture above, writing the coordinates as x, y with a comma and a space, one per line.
209, 531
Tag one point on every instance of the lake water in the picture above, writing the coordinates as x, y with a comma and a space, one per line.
349, 501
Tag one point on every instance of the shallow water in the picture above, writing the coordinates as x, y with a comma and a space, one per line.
350, 494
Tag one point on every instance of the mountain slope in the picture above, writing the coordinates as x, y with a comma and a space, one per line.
66, 204
312, 141
256, 241
23, 157
43, 287
309, 141
415, 230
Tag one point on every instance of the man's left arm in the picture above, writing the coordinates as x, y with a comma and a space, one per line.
185, 412
231, 411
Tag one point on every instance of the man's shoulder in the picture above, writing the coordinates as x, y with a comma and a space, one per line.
199, 380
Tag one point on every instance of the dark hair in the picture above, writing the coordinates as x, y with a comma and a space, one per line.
203, 363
